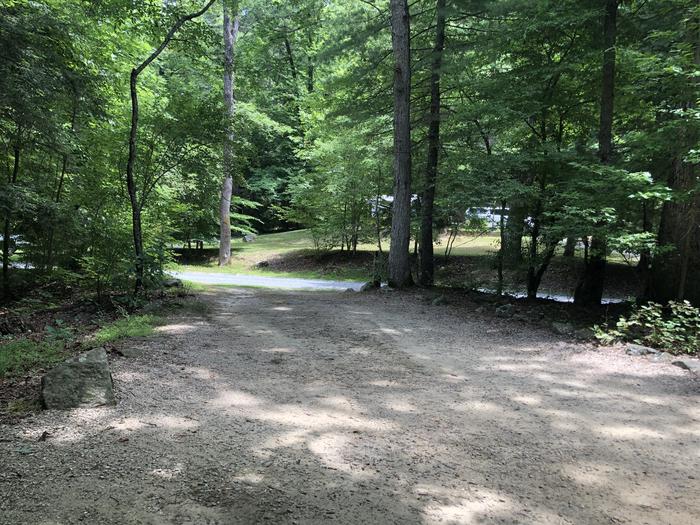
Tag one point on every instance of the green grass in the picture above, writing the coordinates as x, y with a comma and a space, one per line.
22, 355
245, 256
298, 246
132, 326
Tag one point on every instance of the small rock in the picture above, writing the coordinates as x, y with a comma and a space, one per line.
633, 349
693, 365
506, 311
663, 357
81, 381
563, 328
172, 283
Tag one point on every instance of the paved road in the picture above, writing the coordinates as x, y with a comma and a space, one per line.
283, 283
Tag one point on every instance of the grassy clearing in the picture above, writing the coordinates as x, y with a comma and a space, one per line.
131, 326
299, 245
23, 355
471, 264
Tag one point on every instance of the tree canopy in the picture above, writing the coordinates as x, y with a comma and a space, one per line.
577, 119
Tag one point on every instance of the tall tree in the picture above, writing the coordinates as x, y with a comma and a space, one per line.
590, 288
136, 203
230, 36
426, 271
674, 273
399, 262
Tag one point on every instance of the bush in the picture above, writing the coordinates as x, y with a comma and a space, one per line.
674, 328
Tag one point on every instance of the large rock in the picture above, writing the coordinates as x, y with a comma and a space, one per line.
633, 349
663, 357
81, 381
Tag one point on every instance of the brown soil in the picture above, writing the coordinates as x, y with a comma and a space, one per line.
363, 408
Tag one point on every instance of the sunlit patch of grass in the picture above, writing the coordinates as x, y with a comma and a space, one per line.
131, 326
22, 355
299, 245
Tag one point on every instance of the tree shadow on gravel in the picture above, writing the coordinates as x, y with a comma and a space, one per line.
269, 422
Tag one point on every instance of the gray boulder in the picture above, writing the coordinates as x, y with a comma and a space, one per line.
633, 349
81, 381
663, 357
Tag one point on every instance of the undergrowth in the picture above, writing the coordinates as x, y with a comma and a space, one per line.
674, 328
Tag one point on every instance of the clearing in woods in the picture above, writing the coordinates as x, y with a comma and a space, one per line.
298, 407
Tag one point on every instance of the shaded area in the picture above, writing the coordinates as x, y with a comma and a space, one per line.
374, 408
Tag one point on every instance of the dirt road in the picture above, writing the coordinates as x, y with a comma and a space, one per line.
281, 407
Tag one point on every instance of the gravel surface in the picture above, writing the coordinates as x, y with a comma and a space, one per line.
286, 407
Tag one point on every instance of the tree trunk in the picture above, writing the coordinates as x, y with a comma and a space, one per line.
513, 241
535, 274
570, 246
61, 181
7, 231
502, 235
230, 36
378, 222
589, 290
680, 225
133, 133
399, 262
679, 229
131, 184
427, 261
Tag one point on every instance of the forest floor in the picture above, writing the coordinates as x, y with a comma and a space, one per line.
298, 407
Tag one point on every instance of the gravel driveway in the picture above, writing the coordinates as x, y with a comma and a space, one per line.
283, 407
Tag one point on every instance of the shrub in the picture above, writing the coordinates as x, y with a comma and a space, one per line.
674, 328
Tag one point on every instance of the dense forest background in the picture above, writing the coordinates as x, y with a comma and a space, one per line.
577, 119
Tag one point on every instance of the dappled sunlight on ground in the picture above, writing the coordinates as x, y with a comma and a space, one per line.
176, 328
382, 418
